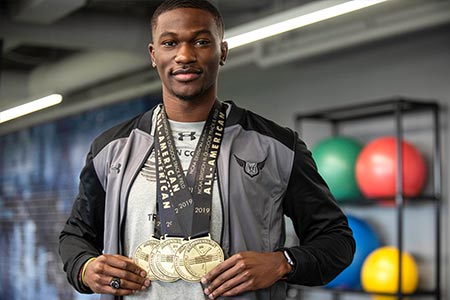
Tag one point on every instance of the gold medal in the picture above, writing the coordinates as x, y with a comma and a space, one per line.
201, 256
160, 276
141, 256
163, 257
180, 267
154, 269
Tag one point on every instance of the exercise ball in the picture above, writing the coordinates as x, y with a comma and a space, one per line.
376, 169
336, 158
380, 271
366, 241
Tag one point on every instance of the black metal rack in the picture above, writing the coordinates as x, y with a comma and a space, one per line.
397, 108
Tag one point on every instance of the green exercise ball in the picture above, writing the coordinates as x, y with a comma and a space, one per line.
336, 159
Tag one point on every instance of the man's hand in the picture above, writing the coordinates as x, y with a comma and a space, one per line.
245, 271
100, 272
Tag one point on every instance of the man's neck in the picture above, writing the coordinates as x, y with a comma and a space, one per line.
188, 111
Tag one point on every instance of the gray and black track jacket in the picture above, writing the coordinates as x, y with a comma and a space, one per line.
254, 199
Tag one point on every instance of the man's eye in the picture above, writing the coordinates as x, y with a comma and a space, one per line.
202, 42
168, 44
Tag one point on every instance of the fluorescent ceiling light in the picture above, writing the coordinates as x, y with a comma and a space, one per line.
293, 19
29, 107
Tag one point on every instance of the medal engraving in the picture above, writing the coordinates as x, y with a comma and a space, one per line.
180, 268
154, 269
164, 257
201, 256
141, 256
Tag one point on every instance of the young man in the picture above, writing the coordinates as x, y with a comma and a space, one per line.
187, 200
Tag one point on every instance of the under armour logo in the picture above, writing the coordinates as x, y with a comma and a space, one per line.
115, 168
182, 135
250, 168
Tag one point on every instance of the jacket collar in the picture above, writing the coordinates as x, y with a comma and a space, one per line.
234, 116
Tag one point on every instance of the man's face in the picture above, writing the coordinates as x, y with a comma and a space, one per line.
187, 49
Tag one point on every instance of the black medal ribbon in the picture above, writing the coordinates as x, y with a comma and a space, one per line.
183, 198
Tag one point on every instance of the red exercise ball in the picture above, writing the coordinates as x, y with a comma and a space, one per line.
376, 169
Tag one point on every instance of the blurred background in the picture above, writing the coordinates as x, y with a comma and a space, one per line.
94, 53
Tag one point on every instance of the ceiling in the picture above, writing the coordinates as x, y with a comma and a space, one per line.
94, 52
42, 31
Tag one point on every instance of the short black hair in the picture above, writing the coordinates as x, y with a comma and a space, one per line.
168, 5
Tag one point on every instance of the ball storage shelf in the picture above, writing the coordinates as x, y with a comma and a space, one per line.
396, 110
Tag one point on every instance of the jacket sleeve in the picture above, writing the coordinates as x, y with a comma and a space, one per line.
326, 242
82, 235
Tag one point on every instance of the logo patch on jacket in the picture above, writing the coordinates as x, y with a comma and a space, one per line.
252, 169
115, 168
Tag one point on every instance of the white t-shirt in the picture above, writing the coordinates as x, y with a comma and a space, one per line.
141, 212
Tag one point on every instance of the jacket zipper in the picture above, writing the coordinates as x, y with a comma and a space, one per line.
122, 227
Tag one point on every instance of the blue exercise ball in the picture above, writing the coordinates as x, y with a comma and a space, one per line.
366, 241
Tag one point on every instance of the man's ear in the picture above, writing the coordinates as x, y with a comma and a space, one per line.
224, 52
151, 52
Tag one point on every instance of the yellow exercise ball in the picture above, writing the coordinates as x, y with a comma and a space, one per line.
380, 272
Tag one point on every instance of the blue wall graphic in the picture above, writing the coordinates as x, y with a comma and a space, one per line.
39, 169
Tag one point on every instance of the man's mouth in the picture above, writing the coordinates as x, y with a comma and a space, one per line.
186, 74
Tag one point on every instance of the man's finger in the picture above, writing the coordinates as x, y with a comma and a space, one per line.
219, 269
113, 263
240, 288
125, 263
226, 281
118, 292
128, 285
232, 286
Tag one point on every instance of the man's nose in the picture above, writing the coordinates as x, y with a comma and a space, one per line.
185, 54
